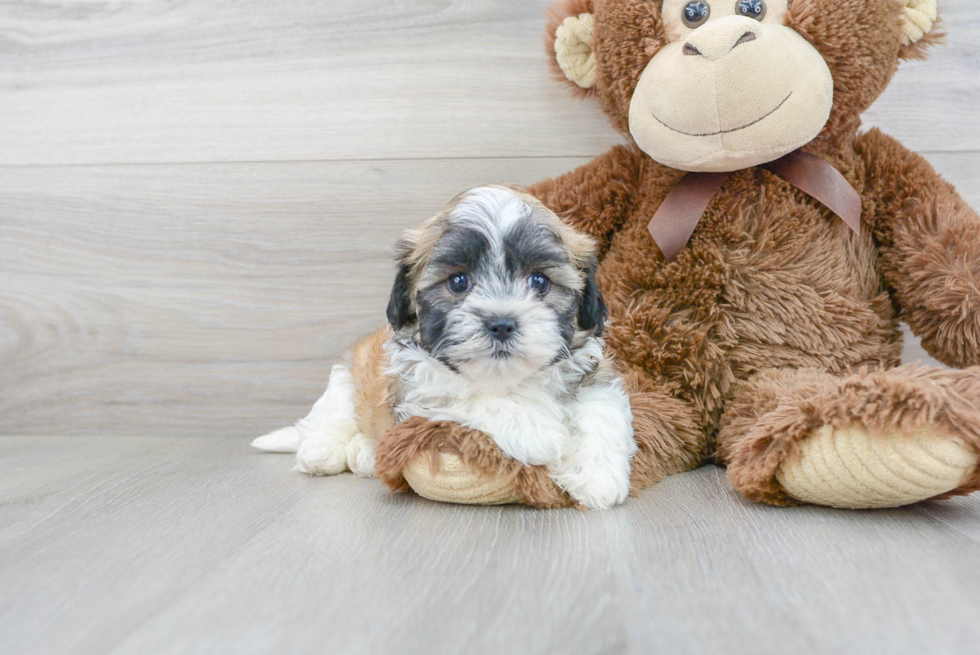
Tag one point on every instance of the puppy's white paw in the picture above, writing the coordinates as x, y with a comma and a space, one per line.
532, 446
597, 479
360, 456
596, 486
597, 470
322, 455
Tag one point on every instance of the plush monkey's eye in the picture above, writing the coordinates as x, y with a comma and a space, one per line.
459, 283
752, 8
539, 283
696, 13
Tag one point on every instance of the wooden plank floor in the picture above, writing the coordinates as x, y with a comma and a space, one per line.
168, 545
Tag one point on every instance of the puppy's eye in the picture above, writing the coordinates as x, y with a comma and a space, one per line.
459, 283
539, 283
752, 8
695, 14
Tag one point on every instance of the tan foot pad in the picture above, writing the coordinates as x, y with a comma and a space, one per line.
850, 468
453, 483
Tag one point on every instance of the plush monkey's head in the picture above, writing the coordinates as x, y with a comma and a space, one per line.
721, 85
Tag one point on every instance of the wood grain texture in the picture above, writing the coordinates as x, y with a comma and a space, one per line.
167, 545
162, 81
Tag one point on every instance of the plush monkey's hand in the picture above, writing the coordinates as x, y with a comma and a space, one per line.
943, 288
929, 239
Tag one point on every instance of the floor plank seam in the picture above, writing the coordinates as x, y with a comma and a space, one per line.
369, 160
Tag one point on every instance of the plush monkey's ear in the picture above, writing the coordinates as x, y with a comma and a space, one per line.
568, 40
400, 311
919, 27
920, 18
592, 312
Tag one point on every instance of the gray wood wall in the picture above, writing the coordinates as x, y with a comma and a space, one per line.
198, 199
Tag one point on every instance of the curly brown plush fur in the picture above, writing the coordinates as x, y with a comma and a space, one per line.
776, 318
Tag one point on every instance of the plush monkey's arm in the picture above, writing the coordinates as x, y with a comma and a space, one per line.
929, 240
597, 197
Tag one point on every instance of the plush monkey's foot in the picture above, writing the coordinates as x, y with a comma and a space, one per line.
880, 438
451, 481
852, 468
446, 462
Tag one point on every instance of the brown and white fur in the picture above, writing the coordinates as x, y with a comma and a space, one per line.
495, 323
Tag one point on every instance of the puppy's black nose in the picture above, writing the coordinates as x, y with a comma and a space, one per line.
502, 328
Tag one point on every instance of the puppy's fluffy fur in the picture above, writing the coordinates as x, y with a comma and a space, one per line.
495, 323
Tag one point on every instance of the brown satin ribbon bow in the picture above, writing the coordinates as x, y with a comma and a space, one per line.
681, 211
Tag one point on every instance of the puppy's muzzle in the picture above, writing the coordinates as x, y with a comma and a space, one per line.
501, 328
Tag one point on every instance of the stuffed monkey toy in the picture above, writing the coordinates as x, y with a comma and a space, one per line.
757, 252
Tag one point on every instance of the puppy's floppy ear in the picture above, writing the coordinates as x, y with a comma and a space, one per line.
592, 312
400, 311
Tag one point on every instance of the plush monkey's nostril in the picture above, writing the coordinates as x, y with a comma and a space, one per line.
501, 328
745, 38
691, 51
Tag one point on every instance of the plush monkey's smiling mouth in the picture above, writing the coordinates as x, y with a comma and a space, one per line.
736, 129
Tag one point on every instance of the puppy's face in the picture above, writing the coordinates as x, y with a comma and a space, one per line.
496, 287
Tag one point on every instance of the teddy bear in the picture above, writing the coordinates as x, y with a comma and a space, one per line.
757, 253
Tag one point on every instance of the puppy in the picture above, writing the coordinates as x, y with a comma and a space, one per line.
495, 323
